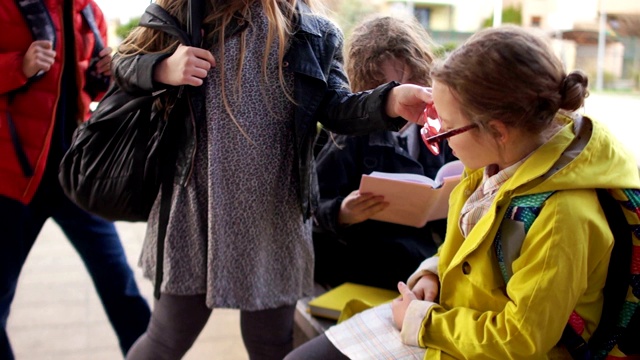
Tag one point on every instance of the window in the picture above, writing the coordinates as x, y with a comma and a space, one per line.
424, 16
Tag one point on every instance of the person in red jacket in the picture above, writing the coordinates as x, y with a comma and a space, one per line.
54, 64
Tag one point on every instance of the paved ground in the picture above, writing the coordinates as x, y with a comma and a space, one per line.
57, 315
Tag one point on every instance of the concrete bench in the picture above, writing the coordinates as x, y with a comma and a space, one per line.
307, 326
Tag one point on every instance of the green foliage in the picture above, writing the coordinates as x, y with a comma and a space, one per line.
124, 29
350, 13
443, 50
510, 15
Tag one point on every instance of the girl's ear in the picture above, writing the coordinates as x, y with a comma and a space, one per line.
499, 130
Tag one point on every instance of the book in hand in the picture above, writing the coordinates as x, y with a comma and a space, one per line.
413, 199
331, 303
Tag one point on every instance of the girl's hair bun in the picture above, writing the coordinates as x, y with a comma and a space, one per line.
574, 90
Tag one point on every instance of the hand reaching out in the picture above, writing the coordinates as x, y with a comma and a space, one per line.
186, 66
356, 207
409, 102
38, 58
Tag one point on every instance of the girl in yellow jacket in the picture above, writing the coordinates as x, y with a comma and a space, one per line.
506, 106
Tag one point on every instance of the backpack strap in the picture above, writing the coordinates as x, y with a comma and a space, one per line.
156, 17
90, 19
23, 160
516, 223
194, 23
617, 284
95, 82
517, 220
39, 22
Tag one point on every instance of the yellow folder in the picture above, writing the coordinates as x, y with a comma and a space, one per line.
331, 304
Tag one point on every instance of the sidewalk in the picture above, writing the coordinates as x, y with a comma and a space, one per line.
57, 315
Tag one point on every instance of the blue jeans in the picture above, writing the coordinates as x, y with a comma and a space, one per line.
98, 244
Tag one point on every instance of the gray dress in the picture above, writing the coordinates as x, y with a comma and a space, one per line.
236, 231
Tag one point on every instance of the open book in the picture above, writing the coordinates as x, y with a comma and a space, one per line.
413, 199
331, 304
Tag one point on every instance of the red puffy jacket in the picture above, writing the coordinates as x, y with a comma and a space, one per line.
34, 110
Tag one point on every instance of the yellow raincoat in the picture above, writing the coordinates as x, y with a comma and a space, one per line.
562, 265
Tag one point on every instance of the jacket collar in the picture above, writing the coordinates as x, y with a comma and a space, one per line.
303, 56
387, 139
307, 22
563, 147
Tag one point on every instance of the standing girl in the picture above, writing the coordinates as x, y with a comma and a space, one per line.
238, 233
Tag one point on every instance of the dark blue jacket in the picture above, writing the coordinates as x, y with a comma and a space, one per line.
372, 252
321, 94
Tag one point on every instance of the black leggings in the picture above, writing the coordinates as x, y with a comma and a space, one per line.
177, 321
318, 348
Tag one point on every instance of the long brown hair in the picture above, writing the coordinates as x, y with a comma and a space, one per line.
280, 14
511, 74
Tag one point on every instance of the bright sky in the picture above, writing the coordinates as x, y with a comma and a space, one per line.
122, 9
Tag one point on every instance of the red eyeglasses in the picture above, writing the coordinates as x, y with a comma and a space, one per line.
431, 134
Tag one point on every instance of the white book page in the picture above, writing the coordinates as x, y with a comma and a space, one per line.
451, 169
417, 178
413, 199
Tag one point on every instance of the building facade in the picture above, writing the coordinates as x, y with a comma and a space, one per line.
572, 25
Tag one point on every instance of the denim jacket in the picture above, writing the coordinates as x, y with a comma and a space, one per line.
321, 94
